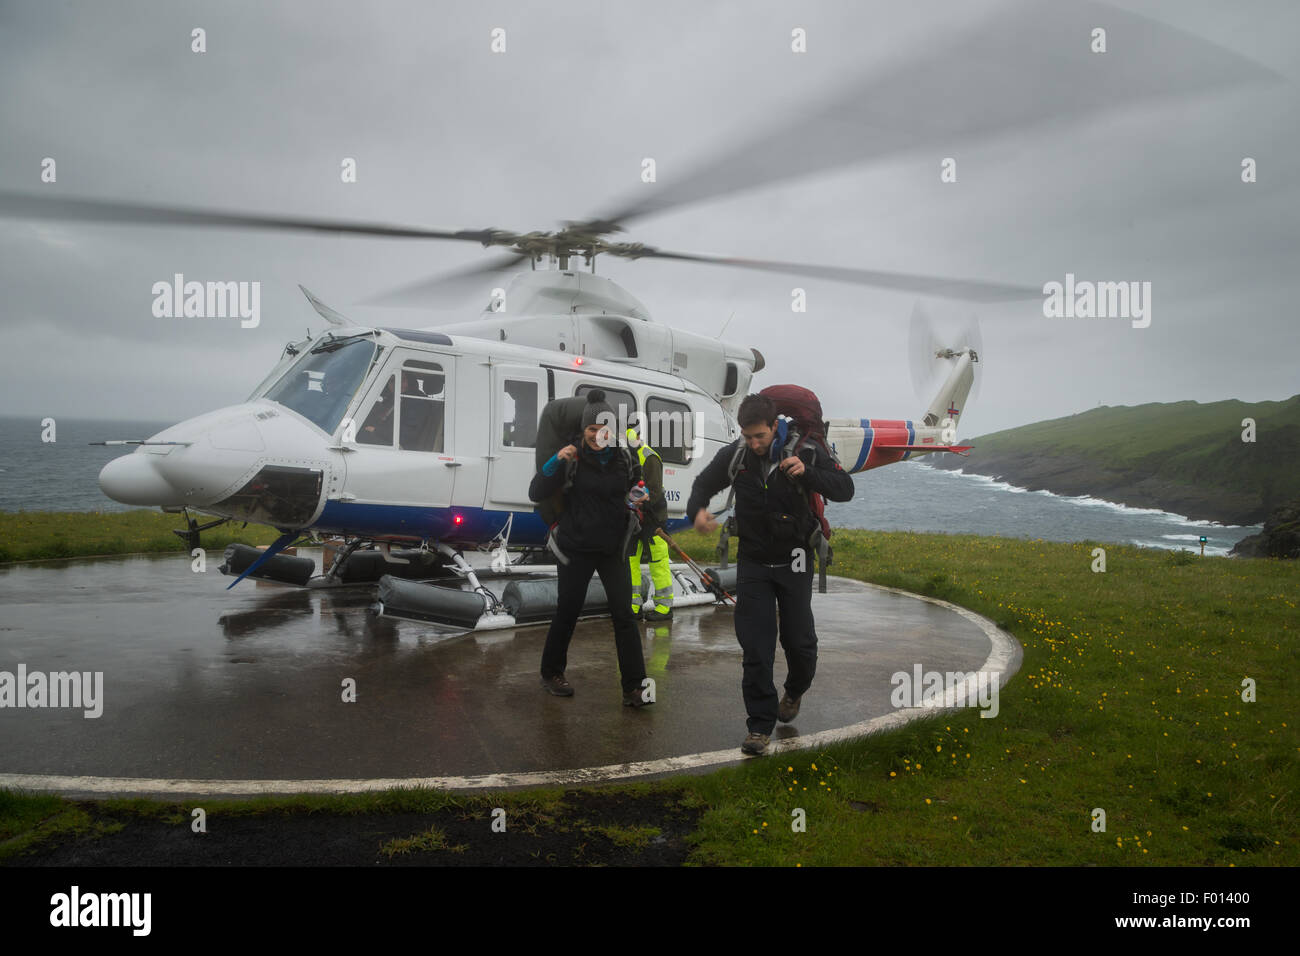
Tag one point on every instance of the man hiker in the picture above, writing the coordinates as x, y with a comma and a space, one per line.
775, 523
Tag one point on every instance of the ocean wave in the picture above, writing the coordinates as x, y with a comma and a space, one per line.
1202, 523
1210, 550
1088, 501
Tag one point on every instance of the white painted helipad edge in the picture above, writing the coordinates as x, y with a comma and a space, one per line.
1004, 658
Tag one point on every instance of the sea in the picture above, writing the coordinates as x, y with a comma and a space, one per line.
37, 475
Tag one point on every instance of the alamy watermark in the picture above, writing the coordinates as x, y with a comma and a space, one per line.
208, 300
657, 429
37, 689
76, 909
1083, 299
922, 688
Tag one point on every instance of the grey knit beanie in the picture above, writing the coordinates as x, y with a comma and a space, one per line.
595, 407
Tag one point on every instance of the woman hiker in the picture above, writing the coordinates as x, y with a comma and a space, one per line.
592, 537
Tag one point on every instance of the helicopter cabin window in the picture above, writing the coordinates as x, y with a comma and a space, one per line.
321, 384
623, 403
671, 430
422, 413
519, 414
378, 426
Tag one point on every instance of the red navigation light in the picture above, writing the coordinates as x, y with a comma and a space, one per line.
578, 360
457, 519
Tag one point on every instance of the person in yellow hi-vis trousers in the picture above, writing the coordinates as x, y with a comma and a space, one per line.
655, 510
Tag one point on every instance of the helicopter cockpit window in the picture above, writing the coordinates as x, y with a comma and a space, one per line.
321, 384
378, 426
422, 415
519, 414
292, 353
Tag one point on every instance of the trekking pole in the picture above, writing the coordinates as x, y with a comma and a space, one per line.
708, 581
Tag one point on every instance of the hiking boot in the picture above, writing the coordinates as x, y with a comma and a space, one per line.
789, 708
633, 698
755, 744
557, 685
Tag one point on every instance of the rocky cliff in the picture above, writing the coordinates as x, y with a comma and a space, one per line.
1184, 457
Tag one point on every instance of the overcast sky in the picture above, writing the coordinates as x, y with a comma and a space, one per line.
448, 134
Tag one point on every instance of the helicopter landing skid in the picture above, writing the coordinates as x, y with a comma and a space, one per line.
529, 598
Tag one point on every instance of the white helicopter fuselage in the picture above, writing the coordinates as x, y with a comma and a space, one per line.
436, 441
429, 435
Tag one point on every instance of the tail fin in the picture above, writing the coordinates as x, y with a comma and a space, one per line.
951, 400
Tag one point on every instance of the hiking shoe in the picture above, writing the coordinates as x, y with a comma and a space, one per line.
557, 685
633, 698
755, 744
789, 708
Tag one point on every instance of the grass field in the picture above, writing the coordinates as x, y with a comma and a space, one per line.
38, 535
1129, 700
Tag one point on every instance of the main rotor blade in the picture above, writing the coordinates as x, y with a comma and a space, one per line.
970, 290
455, 284
47, 207
1030, 63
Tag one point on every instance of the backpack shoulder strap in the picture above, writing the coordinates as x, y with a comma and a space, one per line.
570, 470
733, 470
816, 442
793, 442
634, 469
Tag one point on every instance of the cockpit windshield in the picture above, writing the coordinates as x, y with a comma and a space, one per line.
321, 384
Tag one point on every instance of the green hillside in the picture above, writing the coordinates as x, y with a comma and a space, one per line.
1186, 457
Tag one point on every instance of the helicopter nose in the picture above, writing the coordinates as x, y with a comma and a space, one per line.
134, 480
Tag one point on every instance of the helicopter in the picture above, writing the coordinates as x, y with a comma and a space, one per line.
387, 437
393, 436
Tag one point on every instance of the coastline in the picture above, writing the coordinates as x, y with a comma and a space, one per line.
1072, 476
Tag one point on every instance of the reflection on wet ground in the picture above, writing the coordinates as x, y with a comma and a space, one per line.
204, 683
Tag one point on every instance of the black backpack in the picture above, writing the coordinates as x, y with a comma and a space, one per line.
560, 425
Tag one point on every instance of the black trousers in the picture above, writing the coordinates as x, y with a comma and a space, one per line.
617, 579
760, 592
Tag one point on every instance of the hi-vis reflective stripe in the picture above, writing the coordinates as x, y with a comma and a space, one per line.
642, 449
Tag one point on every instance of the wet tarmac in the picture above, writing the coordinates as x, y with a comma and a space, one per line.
242, 691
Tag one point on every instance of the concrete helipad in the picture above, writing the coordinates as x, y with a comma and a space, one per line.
212, 691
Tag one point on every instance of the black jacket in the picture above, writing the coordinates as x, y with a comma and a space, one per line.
772, 515
595, 507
